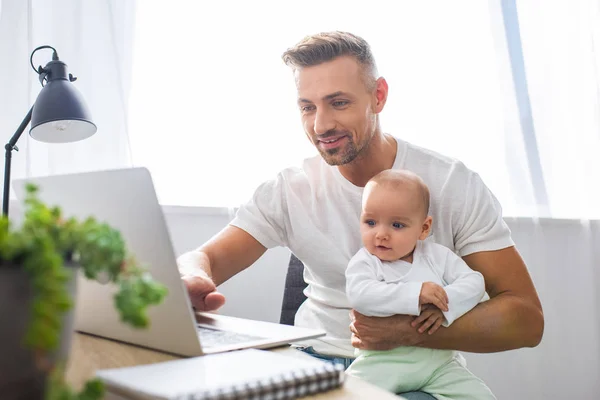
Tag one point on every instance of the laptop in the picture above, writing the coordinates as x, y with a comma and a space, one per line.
126, 200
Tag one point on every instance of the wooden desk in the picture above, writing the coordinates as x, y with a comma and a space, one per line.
90, 353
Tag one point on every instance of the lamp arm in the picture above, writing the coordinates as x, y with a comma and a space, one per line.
9, 147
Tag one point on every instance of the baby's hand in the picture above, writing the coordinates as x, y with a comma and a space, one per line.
432, 293
431, 318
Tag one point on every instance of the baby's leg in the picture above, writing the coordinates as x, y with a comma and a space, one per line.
399, 370
454, 381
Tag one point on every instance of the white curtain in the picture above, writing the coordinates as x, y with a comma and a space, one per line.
94, 38
213, 113
561, 52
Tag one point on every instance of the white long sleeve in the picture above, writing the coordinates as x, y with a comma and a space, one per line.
465, 287
381, 289
370, 295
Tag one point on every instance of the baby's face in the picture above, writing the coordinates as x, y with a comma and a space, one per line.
392, 221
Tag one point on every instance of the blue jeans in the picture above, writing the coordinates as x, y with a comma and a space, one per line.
332, 359
346, 363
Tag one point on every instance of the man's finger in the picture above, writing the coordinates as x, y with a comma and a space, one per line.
202, 292
210, 302
436, 326
197, 284
353, 329
356, 342
213, 301
428, 322
424, 315
415, 321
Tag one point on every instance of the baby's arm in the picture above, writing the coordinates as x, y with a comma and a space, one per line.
372, 297
465, 287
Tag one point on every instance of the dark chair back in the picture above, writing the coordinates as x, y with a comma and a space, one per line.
293, 295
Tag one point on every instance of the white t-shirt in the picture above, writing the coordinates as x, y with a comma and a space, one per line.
382, 288
315, 212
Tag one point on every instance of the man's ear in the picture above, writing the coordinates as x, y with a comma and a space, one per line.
381, 93
426, 228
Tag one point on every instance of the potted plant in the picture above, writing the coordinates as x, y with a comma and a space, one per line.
38, 264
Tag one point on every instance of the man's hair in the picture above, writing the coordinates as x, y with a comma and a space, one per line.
326, 46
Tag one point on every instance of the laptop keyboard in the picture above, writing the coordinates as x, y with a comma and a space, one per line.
212, 337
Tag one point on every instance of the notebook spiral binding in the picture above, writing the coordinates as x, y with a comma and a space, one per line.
282, 387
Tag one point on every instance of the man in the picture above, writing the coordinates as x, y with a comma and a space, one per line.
315, 211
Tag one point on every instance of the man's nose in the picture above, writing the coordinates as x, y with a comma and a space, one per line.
324, 122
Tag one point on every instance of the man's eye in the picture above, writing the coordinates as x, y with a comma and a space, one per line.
340, 103
370, 222
398, 225
307, 108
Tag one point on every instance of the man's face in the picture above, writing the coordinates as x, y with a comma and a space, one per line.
338, 111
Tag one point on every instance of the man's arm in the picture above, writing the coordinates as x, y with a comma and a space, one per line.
260, 223
227, 253
511, 319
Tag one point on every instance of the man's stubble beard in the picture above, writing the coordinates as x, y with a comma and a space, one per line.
352, 152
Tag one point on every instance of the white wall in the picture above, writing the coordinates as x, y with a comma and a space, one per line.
255, 293
562, 257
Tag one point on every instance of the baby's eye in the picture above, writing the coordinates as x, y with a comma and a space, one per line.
398, 225
370, 222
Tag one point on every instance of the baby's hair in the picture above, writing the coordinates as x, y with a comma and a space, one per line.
397, 178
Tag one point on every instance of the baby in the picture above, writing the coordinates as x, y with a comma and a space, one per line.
398, 272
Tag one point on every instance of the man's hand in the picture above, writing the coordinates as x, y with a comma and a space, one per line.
432, 293
383, 333
203, 293
431, 318
201, 288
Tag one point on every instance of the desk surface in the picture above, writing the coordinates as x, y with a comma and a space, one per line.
90, 353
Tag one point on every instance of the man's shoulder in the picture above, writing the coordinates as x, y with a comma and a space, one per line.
416, 155
434, 168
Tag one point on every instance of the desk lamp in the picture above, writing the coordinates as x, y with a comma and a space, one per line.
59, 115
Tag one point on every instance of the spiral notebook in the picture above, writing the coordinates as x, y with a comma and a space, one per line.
243, 374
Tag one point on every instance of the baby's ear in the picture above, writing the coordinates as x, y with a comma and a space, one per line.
426, 228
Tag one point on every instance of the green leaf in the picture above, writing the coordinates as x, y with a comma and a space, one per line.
40, 246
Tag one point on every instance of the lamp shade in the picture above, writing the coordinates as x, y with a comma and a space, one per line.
59, 113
